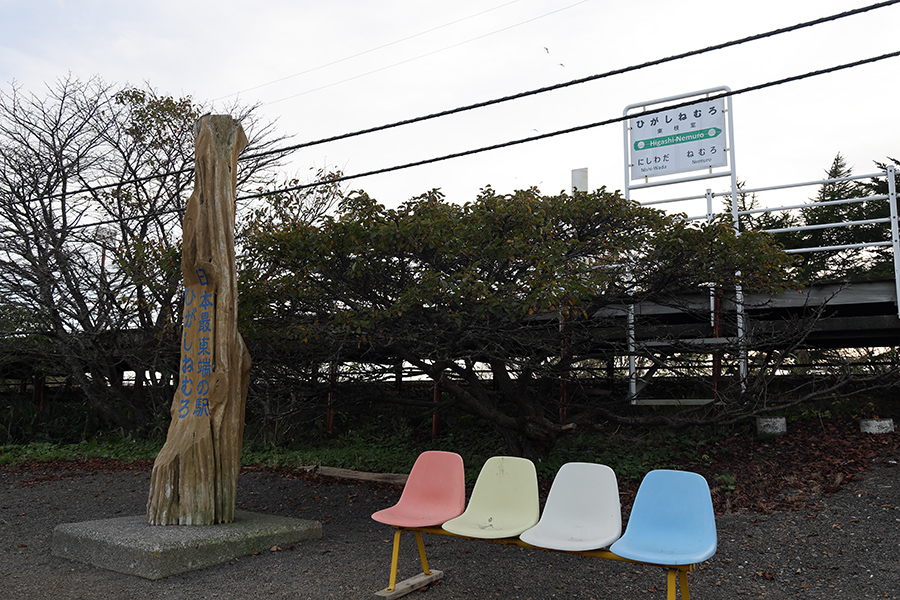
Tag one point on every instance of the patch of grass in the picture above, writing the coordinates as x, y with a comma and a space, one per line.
115, 449
725, 482
350, 451
634, 453
382, 448
60, 421
392, 447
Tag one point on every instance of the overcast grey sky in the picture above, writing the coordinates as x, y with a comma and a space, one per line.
324, 68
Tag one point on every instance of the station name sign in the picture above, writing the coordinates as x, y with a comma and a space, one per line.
679, 140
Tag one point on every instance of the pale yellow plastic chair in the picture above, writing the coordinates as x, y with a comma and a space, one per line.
582, 510
504, 501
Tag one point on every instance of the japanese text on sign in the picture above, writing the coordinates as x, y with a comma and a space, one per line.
196, 359
678, 140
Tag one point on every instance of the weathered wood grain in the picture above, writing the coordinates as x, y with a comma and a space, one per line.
194, 478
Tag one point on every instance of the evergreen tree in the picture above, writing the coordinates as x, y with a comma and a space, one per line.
838, 223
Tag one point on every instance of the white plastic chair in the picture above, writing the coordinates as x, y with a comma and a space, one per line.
582, 510
504, 501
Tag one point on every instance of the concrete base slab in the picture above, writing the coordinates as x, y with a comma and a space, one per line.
129, 545
410, 585
768, 426
876, 425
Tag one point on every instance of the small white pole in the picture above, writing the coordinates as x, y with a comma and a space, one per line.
579, 180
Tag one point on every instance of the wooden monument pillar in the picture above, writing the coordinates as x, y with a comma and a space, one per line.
194, 479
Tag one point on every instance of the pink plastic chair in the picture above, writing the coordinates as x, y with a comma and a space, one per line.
434, 493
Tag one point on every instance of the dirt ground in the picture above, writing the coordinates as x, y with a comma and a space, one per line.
812, 514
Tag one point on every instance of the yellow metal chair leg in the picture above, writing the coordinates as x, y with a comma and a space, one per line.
422, 553
685, 593
395, 558
670, 584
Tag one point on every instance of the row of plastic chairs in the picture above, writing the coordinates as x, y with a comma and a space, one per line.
671, 523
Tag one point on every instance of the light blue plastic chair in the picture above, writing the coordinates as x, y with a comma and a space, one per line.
672, 524
582, 510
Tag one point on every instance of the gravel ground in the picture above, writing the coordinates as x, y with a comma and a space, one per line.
843, 545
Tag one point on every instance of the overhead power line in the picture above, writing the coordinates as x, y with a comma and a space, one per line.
370, 50
579, 81
288, 149
534, 138
578, 128
427, 54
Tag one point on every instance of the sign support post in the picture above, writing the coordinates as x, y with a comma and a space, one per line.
666, 138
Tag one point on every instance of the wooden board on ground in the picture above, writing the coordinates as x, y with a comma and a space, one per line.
410, 585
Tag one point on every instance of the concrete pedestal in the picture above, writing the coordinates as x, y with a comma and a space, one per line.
129, 545
876, 425
766, 426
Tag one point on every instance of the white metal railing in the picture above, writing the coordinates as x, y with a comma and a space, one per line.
729, 169
889, 174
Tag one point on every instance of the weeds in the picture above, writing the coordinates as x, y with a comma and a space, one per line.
392, 446
111, 448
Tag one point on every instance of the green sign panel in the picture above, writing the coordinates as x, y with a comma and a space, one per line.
682, 138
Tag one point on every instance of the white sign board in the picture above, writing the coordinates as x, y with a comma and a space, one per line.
678, 140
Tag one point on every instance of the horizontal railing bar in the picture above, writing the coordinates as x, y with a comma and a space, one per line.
754, 211
808, 183
827, 225
681, 180
672, 200
844, 247
672, 401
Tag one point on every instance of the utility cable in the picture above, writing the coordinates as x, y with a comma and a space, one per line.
526, 140
571, 129
427, 54
364, 52
573, 82
288, 149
